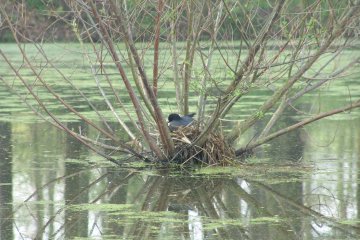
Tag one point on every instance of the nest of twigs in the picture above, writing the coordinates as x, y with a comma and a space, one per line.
215, 151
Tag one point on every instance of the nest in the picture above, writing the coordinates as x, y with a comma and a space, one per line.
215, 151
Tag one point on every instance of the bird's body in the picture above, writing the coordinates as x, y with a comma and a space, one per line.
175, 120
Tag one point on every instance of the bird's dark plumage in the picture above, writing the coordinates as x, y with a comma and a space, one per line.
175, 120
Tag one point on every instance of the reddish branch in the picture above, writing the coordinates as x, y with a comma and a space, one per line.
133, 97
278, 94
296, 126
193, 33
160, 120
156, 46
228, 100
177, 83
39, 78
56, 120
187, 67
246, 75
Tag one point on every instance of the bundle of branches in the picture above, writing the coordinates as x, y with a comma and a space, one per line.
275, 55
214, 151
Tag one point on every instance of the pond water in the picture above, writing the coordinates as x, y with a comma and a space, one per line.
304, 185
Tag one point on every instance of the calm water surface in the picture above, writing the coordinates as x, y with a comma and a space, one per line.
305, 185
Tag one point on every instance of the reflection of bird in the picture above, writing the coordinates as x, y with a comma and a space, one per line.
175, 121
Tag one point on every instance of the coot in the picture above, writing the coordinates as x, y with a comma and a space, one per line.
175, 120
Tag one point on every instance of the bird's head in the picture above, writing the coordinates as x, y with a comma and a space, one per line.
174, 117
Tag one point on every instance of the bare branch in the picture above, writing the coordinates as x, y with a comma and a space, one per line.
160, 120
228, 95
156, 46
132, 95
300, 124
338, 30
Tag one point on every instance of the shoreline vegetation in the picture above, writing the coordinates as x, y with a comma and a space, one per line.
40, 19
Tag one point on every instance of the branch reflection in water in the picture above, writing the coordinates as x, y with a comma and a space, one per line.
161, 204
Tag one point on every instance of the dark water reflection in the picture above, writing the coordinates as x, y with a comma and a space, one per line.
49, 190
6, 194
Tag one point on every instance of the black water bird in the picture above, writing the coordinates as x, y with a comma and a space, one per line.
175, 120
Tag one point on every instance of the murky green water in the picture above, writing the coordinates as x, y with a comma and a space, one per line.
305, 185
